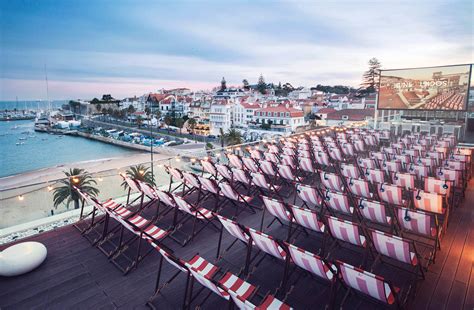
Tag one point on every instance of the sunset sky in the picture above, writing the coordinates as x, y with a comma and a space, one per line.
128, 48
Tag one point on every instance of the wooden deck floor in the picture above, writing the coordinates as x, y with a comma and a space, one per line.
77, 275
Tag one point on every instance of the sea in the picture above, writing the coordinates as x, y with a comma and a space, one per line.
22, 149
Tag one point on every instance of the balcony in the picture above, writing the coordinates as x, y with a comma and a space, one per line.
77, 273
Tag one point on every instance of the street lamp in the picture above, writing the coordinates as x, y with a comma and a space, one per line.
151, 146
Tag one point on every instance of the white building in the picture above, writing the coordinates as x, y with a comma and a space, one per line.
243, 114
220, 116
303, 93
282, 118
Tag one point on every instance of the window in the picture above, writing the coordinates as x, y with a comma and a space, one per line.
345, 117
287, 114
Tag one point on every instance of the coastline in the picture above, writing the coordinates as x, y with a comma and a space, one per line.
92, 166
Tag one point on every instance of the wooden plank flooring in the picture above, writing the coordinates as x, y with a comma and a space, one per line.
78, 276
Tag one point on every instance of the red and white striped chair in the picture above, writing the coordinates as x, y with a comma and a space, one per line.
175, 176
336, 154
191, 181
272, 157
210, 188
404, 180
229, 192
391, 194
430, 202
309, 195
261, 181
322, 158
268, 168
366, 163
242, 177
270, 302
348, 149
350, 171
288, 160
235, 161
391, 166
359, 188
421, 224
420, 171
255, 154
287, 175
308, 219
398, 249
442, 187
209, 167
132, 187
250, 164
337, 202
207, 282
331, 181
225, 172
270, 246
279, 210
375, 212
369, 284
346, 231
306, 165
374, 175
237, 288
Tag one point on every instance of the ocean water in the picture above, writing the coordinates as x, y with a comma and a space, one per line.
41, 150
31, 105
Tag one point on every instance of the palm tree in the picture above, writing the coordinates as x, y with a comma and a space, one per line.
141, 173
179, 122
79, 178
139, 121
222, 136
168, 121
233, 137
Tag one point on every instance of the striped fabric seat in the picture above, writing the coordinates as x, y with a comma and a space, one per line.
442, 187
236, 286
233, 228
322, 158
346, 231
350, 171
286, 172
261, 181
306, 164
348, 149
431, 202
209, 167
366, 283
267, 244
311, 263
338, 202
288, 160
200, 213
250, 164
271, 157
165, 198
336, 154
359, 187
255, 154
202, 266
405, 180
307, 218
224, 171
267, 167
153, 232
366, 163
210, 284
191, 179
374, 211
235, 161
131, 183
308, 194
272, 303
391, 194
420, 171
147, 189
277, 208
331, 181
241, 176
209, 185
394, 247
228, 191
417, 222
175, 173
116, 208
374, 175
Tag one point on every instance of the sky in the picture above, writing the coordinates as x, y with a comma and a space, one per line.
126, 48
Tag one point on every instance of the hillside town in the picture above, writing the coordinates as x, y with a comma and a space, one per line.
256, 111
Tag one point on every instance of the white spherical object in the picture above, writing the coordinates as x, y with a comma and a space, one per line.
21, 258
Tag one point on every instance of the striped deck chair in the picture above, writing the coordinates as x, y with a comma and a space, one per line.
270, 302
347, 232
454, 176
368, 284
348, 149
366, 163
279, 210
288, 160
304, 153
359, 188
287, 175
378, 156
307, 218
272, 157
391, 194
426, 161
430, 202
264, 185
225, 172
273, 148
337, 202
411, 152
256, 154
191, 181
359, 146
397, 249
235, 286
350, 171
250, 164
420, 171
306, 165
132, 187
309, 195
242, 177
322, 158
404, 180
315, 265
235, 161
336, 154
211, 189
375, 212
441, 187
209, 167
288, 151
421, 224
374, 175
208, 283
175, 176
83, 218
391, 166
155, 196
273, 247
229, 192
268, 168
331, 181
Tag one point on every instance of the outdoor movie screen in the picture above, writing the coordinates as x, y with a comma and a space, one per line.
435, 88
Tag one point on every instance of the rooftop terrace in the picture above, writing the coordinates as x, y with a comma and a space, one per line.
77, 274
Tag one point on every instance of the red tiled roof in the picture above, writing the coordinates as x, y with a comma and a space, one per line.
281, 108
249, 105
326, 110
352, 114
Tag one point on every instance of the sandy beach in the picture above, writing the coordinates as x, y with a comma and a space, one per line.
92, 166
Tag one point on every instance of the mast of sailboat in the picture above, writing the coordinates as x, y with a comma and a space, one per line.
47, 88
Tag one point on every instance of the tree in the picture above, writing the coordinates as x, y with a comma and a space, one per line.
168, 122
233, 137
223, 84
131, 109
261, 85
245, 84
179, 122
370, 79
222, 136
79, 178
139, 121
148, 110
158, 114
139, 172
98, 107
192, 124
